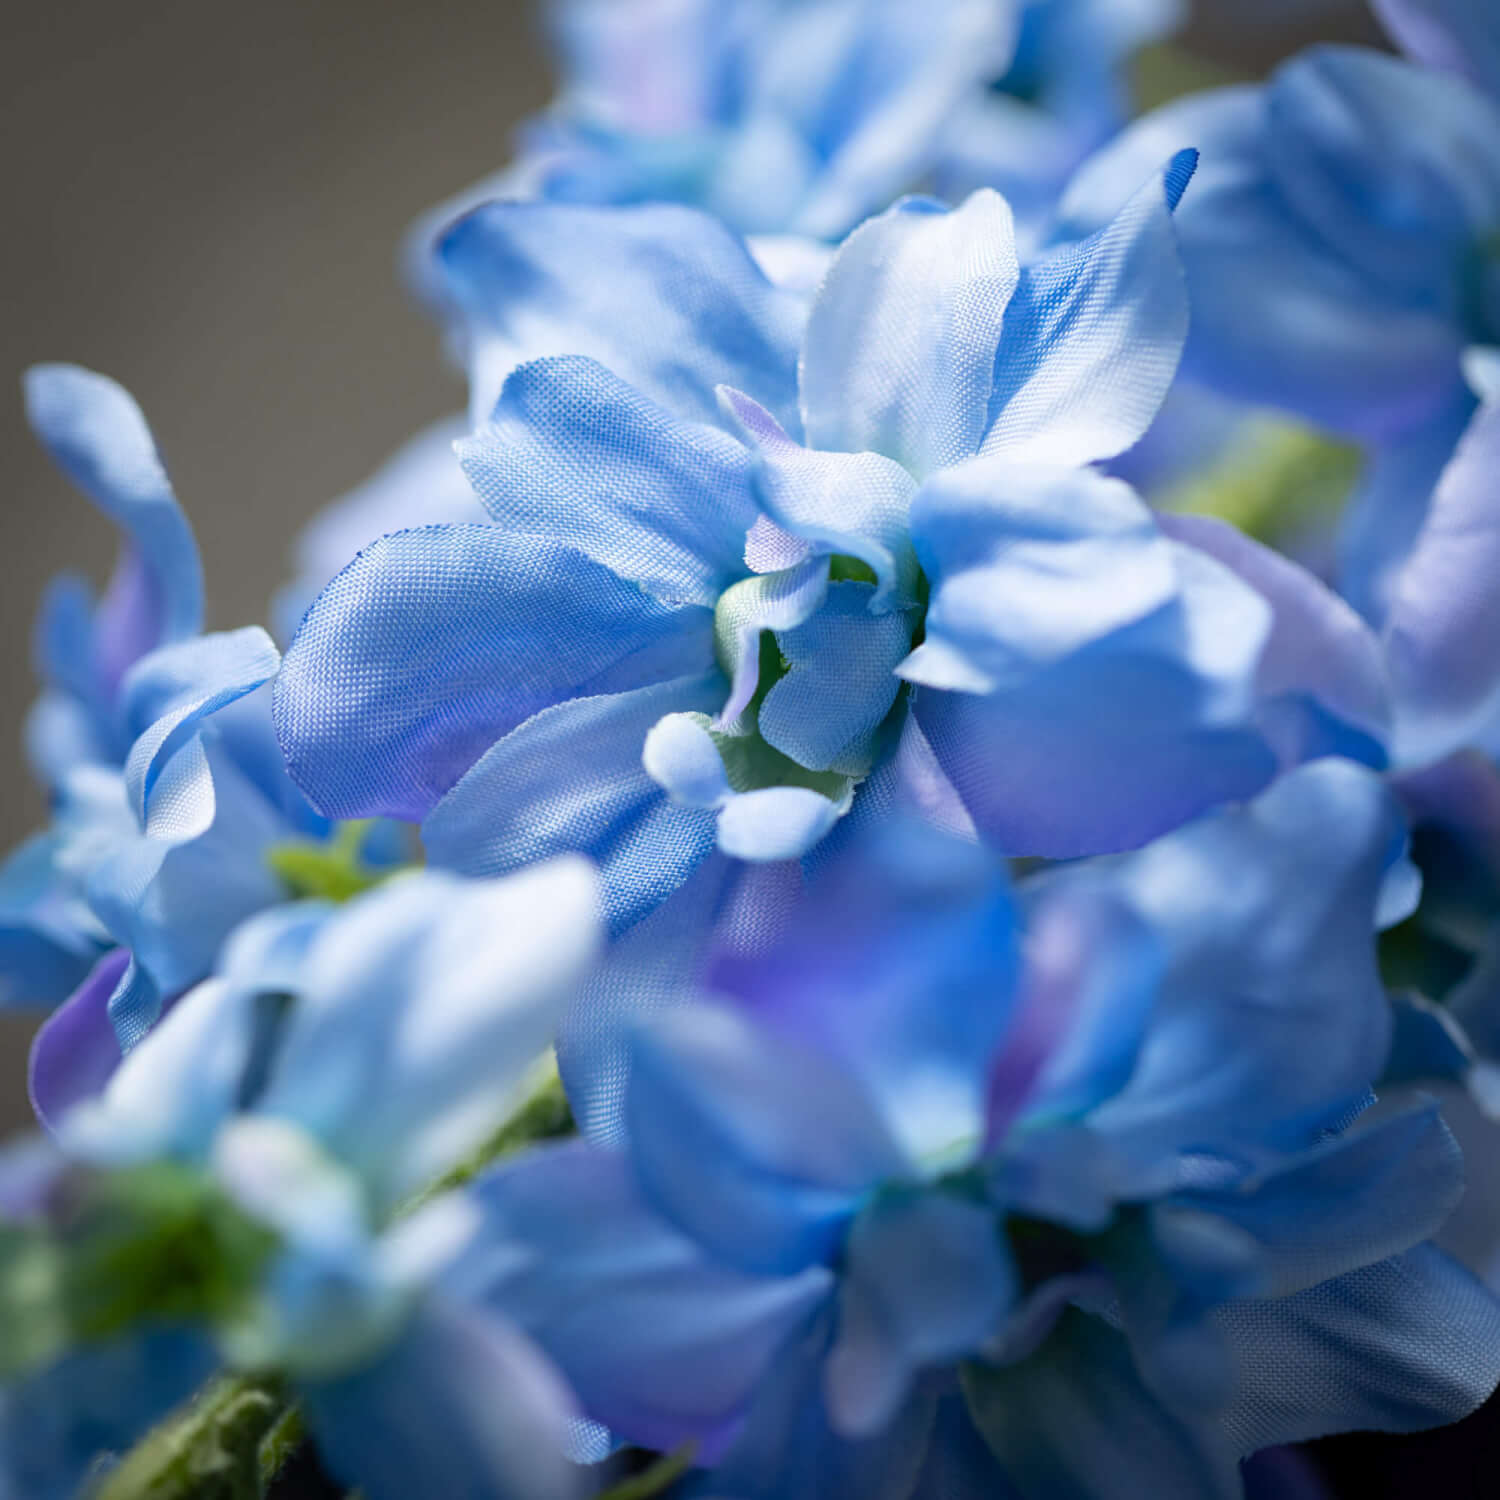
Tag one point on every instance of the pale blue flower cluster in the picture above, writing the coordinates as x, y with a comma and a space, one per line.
994, 934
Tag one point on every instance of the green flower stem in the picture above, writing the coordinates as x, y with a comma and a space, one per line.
233, 1439
664, 1473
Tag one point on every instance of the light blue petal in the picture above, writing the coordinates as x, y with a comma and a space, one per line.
662, 1343
435, 996
840, 681
166, 698
753, 1144
1028, 565
1391, 165
681, 757
1268, 915
1372, 1193
1076, 1422
853, 504
899, 353
437, 642
1453, 36
69, 1422
537, 793
928, 1280
1121, 741
666, 297
1322, 665
573, 452
460, 1405
419, 484
1444, 616
1093, 336
96, 434
777, 822
1399, 1346
48, 937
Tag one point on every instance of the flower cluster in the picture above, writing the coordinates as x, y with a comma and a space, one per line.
779, 906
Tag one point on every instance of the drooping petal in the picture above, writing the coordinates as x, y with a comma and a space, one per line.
1453, 36
662, 1343
664, 296
434, 996
1443, 627
460, 1405
571, 451
98, 437
776, 823
1093, 336
437, 642
757, 1147
1399, 1346
1028, 565
1268, 917
899, 353
1321, 674
535, 794
1076, 1421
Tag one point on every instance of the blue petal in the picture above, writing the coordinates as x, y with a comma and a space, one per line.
48, 937
1444, 613
1028, 565
1399, 1346
1267, 913
1123, 740
899, 353
1075, 1421
419, 484
777, 822
1321, 662
879, 972
666, 297
572, 778
1093, 336
435, 643
433, 996
840, 681
98, 437
1453, 36
67, 1423
960, 1465
460, 1405
928, 1280
1372, 1193
1391, 165
755, 1145
1277, 318
573, 452
75, 1052
662, 1343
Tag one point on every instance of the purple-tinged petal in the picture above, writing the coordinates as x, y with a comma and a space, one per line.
1453, 36
76, 1051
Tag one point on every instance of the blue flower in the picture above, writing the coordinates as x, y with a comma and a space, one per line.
341, 1059
1339, 246
1094, 1154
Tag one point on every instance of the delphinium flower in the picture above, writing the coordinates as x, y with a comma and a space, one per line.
1340, 249
1059, 1192
169, 794
753, 567
246, 1197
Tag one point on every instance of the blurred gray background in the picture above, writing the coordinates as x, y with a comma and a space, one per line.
203, 199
